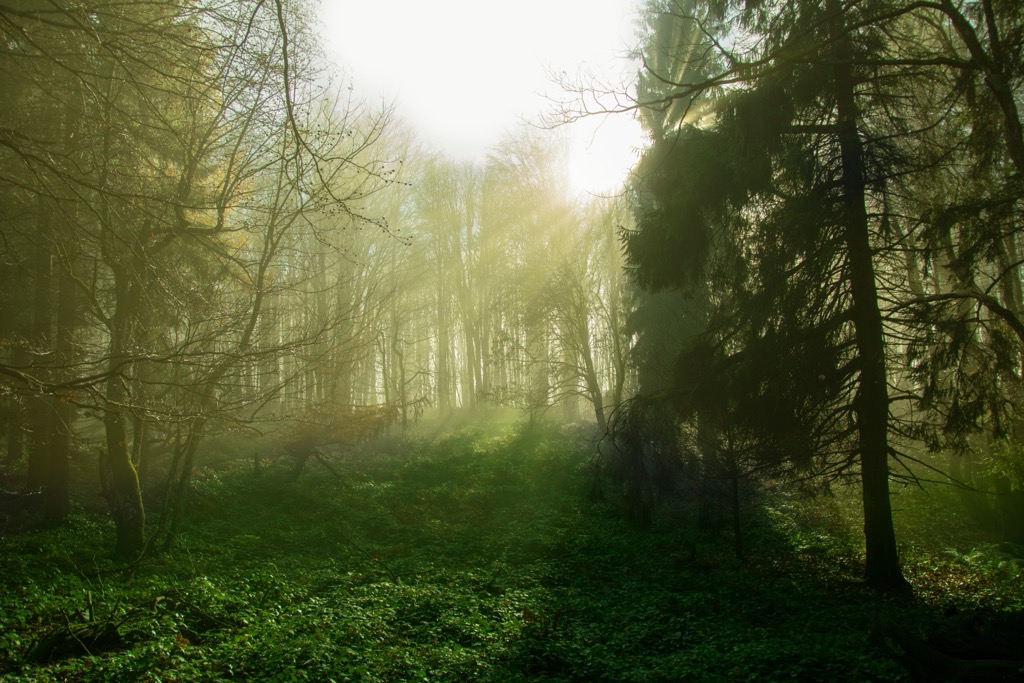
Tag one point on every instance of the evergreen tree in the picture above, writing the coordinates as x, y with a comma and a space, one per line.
770, 201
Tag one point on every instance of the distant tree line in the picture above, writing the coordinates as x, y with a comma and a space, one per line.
200, 235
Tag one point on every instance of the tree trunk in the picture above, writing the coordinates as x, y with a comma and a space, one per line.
734, 497
178, 490
469, 377
58, 499
15, 430
872, 400
64, 245
713, 474
997, 72
121, 488
444, 380
13, 405
593, 384
41, 409
118, 473
141, 448
397, 348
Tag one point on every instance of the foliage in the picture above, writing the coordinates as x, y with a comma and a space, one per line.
471, 554
822, 184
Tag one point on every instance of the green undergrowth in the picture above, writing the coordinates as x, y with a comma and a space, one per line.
469, 555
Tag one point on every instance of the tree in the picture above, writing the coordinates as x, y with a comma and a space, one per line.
965, 263
181, 201
775, 199
582, 301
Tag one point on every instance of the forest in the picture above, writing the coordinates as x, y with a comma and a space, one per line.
287, 394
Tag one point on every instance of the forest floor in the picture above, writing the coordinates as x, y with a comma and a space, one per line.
475, 554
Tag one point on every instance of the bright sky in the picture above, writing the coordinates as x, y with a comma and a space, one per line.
463, 72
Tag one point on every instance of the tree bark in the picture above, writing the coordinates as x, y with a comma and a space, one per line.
40, 347
121, 488
994, 66
58, 499
64, 246
117, 471
15, 429
871, 404
121, 480
590, 376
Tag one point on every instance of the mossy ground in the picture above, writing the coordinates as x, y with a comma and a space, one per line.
473, 555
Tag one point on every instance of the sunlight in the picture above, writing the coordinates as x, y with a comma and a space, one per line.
604, 151
463, 73
360, 341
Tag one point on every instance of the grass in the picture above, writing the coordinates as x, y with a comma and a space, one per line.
471, 555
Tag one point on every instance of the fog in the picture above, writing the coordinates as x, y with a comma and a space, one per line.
564, 341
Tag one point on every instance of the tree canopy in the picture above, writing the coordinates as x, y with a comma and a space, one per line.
791, 190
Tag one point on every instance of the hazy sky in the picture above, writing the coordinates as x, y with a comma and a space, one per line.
464, 71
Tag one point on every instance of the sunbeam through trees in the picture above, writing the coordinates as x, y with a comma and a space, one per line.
288, 392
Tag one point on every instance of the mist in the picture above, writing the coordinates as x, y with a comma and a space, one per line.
668, 342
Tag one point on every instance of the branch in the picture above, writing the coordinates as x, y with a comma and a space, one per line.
986, 300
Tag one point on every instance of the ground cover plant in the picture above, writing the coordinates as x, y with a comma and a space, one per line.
475, 554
